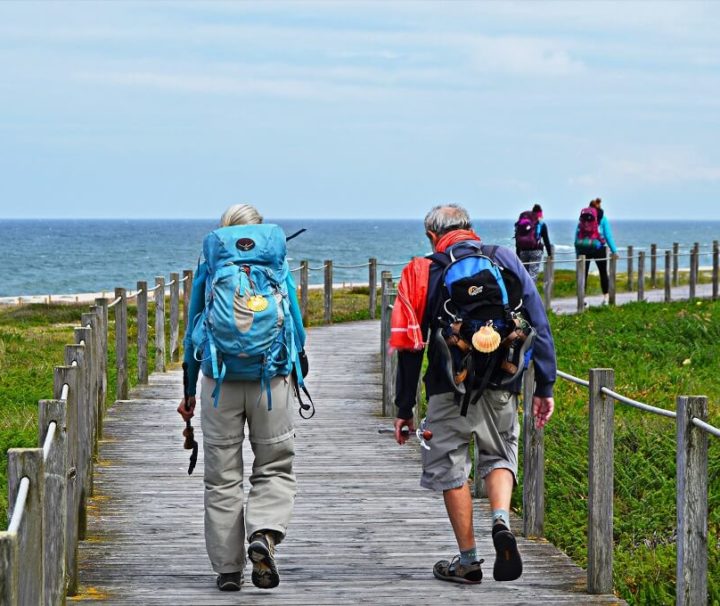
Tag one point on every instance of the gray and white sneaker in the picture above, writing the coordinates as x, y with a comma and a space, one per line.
262, 555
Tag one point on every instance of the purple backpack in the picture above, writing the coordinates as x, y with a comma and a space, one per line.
527, 231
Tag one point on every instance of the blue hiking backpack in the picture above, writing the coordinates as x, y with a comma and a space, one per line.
247, 332
479, 326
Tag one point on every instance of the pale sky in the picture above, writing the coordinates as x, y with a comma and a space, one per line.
359, 109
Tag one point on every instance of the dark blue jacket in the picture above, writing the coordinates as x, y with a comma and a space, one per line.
436, 380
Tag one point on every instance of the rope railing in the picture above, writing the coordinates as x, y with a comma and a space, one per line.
706, 427
573, 379
114, 303
351, 266
19, 506
49, 437
639, 405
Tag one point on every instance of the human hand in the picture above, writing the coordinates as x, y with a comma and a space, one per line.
542, 410
401, 438
187, 412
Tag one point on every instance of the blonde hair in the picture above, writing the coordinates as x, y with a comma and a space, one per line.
240, 214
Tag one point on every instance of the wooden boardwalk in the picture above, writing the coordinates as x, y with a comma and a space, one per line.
363, 530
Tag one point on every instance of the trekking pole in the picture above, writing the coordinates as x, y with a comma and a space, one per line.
422, 434
189, 432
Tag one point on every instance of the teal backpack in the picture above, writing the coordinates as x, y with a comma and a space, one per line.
247, 330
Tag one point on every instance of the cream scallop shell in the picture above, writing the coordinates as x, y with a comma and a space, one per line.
486, 339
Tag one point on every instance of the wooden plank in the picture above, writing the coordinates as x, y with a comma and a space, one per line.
533, 464
121, 345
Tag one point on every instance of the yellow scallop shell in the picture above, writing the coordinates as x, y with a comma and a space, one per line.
486, 339
257, 303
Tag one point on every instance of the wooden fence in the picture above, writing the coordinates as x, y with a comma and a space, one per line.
665, 264
692, 432
48, 487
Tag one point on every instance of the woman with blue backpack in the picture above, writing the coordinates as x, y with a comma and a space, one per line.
593, 237
245, 333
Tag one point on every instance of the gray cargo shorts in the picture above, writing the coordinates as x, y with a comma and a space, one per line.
493, 421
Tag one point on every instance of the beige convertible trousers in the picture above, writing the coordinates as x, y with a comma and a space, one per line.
272, 482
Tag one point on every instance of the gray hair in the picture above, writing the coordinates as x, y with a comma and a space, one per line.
445, 218
240, 214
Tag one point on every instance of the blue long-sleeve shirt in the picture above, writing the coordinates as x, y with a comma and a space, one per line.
197, 304
436, 380
606, 232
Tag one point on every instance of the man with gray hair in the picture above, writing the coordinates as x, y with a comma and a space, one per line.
466, 399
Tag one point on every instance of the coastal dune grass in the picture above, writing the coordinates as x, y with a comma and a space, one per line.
658, 351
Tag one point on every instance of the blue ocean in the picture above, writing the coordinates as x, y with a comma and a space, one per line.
69, 256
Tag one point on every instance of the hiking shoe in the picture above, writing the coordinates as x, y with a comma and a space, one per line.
456, 572
508, 563
262, 555
230, 581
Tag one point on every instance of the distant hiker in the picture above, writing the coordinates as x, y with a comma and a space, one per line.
531, 236
593, 237
246, 334
479, 314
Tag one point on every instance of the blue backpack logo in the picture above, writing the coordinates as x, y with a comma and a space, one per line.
246, 330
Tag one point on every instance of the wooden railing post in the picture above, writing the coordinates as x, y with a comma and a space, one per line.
304, 279
55, 527
692, 502
676, 261
142, 332
641, 276
630, 281
160, 324
70, 375
87, 406
81, 433
9, 568
715, 268
549, 278
102, 305
121, 345
174, 317
580, 282
533, 463
612, 279
668, 277
372, 286
90, 335
186, 297
653, 266
692, 281
328, 292
28, 463
600, 483
99, 399
388, 359
696, 248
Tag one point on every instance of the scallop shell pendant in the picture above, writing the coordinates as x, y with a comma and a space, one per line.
486, 339
257, 303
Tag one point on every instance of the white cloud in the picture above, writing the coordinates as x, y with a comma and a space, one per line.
658, 166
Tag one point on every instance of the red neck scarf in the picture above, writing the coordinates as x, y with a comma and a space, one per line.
453, 237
